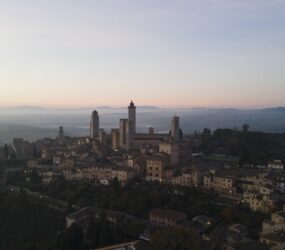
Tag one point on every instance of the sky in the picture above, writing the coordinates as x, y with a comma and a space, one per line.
168, 53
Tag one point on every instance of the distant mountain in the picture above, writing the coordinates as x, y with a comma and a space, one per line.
109, 109
278, 109
22, 108
149, 108
10, 131
32, 133
35, 122
102, 109
27, 108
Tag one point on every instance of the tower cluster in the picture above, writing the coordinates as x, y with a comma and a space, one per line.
126, 136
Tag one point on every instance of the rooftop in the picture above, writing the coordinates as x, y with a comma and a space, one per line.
167, 213
275, 237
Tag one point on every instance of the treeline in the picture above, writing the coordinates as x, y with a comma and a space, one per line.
137, 197
27, 226
251, 147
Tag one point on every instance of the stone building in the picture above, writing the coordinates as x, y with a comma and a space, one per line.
165, 217
276, 164
220, 183
115, 135
191, 178
172, 150
123, 133
155, 166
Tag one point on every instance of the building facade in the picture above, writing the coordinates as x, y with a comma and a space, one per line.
155, 168
165, 217
115, 134
220, 183
172, 150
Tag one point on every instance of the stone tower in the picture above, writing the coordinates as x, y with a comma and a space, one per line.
131, 124
175, 127
94, 125
123, 133
61, 136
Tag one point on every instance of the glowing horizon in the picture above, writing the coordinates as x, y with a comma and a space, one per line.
188, 53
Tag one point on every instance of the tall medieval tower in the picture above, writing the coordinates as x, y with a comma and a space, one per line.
94, 125
131, 124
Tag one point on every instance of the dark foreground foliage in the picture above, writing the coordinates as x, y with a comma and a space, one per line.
25, 225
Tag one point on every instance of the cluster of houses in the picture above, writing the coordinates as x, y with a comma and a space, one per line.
260, 188
210, 232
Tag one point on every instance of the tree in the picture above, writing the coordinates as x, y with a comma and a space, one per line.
205, 141
174, 238
73, 238
35, 177
93, 233
245, 127
129, 228
6, 152
116, 185
181, 134
206, 133
229, 214
22, 194
106, 236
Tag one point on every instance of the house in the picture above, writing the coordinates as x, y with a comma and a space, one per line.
155, 166
79, 215
276, 164
258, 201
220, 183
172, 150
198, 225
248, 245
276, 224
190, 178
273, 239
165, 217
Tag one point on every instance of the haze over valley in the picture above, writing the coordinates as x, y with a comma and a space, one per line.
32, 123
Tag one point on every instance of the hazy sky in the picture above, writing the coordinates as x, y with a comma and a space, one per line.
83, 53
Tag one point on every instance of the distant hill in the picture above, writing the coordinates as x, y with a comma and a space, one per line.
40, 110
278, 109
19, 109
38, 123
10, 131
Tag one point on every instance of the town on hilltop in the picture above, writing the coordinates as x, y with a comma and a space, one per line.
222, 189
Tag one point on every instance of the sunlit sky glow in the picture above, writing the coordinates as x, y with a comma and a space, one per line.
182, 53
